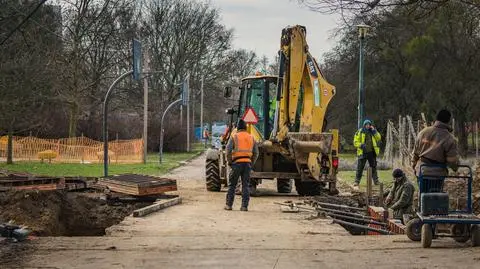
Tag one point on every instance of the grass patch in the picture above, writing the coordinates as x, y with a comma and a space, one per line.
351, 157
384, 176
170, 160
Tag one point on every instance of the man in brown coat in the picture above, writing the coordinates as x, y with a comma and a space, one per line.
435, 145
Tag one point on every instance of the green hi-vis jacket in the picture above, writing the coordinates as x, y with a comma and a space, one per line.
359, 139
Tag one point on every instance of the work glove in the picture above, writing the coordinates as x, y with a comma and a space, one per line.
363, 146
388, 200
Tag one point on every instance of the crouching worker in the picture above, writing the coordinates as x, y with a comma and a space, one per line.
242, 153
400, 198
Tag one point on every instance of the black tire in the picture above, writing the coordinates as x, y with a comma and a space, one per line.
414, 229
252, 188
475, 235
308, 188
460, 231
284, 186
427, 235
212, 173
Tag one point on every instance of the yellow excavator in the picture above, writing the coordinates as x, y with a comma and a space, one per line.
290, 111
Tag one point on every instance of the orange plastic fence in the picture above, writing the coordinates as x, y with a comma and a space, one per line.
75, 149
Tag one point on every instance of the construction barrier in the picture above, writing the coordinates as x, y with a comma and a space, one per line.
72, 150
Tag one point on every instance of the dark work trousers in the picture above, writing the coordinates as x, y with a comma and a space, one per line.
239, 170
371, 157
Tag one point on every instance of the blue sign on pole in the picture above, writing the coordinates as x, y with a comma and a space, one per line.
137, 59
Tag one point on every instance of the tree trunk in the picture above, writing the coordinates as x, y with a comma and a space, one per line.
10, 145
462, 136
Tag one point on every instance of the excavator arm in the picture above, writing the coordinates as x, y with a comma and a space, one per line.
303, 93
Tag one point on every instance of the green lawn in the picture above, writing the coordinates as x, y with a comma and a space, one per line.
384, 176
348, 156
170, 160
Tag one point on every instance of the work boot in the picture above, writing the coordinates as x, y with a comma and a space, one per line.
376, 182
243, 209
227, 207
355, 184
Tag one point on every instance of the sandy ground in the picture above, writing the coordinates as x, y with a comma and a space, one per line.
200, 234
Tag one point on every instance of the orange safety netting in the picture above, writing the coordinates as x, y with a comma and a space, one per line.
75, 149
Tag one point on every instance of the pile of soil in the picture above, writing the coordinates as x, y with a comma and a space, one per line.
476, 189
457, 191
55, 213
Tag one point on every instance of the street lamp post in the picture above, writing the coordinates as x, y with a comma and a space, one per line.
362, 32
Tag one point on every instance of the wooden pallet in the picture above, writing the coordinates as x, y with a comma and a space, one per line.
29, 182
139, 185
79, 183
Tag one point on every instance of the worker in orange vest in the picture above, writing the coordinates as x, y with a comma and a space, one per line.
242, 153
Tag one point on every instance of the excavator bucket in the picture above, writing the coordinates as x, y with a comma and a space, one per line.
303, 143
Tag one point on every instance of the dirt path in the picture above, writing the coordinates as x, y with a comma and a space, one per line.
200, 234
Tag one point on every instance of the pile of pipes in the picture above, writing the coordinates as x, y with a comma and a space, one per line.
354, 219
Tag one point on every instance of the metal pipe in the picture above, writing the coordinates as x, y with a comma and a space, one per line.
339, 206
328, 210
343, 213
356, 219
380, 196
105, 116
362, 227
162, 129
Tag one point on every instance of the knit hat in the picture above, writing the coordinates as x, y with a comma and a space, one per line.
241, 125
367, 121
397, 173
444, 116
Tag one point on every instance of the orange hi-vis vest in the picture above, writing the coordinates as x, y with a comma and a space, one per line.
243, 144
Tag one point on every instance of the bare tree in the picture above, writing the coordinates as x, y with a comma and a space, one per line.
359, 7
26, 70
97, 35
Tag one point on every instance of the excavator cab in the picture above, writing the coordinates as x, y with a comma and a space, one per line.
258, 93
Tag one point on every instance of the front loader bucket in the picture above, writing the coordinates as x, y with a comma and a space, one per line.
306, 148
304, 143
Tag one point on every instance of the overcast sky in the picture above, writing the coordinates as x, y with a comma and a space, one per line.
258, 24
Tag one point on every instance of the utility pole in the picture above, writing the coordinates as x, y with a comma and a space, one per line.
145, 108
193, 116
181, 117
201, 108
188, 112
362, 32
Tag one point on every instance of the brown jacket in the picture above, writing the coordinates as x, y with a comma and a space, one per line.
436, 145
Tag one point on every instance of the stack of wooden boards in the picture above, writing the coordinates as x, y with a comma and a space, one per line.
138, 185
29, 182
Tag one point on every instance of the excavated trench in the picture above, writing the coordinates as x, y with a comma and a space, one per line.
58, 213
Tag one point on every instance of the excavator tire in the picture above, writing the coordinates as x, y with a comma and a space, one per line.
284, 186
212, 173
308, 188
